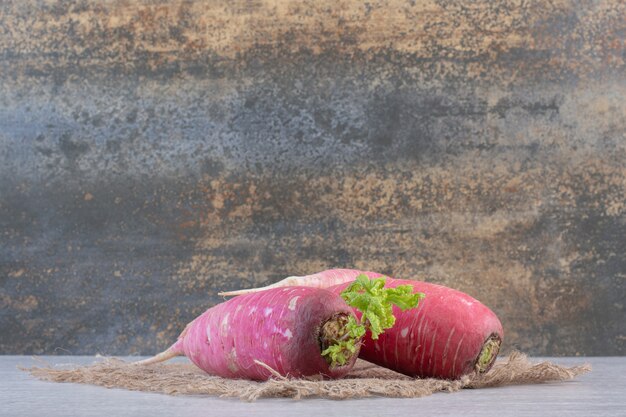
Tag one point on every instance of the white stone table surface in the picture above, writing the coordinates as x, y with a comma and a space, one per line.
599, 393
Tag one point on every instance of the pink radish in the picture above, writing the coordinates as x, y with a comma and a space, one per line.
292, 331
449, 335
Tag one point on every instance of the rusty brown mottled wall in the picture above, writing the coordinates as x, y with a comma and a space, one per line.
155, 152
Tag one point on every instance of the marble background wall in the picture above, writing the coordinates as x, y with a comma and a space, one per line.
155, 152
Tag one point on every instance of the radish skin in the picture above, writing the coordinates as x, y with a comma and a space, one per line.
279, 329
449, 334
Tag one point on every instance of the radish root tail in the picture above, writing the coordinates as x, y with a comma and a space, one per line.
175, 350
287, 282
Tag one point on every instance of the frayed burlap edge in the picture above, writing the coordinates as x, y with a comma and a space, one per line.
365, 380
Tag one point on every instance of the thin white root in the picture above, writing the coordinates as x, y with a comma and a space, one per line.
324, 279
159, 357
274, 372
287, 282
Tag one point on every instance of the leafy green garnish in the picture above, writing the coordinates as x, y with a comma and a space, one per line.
375, 302
344, 346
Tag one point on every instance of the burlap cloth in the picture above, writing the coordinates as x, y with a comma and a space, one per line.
365, 380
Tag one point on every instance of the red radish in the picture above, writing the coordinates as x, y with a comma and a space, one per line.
293, 331
448, 335
283, 328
